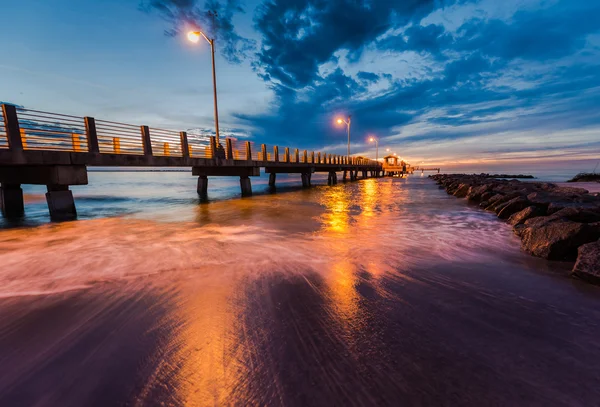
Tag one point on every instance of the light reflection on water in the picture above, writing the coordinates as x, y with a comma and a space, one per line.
308, 297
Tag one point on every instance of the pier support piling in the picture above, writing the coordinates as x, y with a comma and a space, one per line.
246, 186
11, 200
203, 187
305, 180
332, 178
272, 179
60, 202
345, 176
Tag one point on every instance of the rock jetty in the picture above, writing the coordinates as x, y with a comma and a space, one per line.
586, 177
553, 222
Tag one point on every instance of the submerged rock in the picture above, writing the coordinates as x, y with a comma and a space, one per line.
587, 266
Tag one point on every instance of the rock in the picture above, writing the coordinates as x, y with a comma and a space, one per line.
476, 192
577, 214
461, 191
527, 213
588, 206
555, 238
587, 266
513, 206
498, 205
486, 196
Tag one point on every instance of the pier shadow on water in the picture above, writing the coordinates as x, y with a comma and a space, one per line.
380, 292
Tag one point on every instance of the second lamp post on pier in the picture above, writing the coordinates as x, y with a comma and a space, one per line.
376, 141
194, 36
347, 122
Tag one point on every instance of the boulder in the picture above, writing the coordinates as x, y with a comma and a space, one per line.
587, 266
513, 206
527, 213
555, 238
486, 196
577, 214
498, 205
461, 191
587, 206
475, 192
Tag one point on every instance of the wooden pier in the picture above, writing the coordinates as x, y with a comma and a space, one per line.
43, 148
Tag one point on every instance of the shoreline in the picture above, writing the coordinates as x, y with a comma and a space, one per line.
554, 222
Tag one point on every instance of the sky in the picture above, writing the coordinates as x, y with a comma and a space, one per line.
439, 82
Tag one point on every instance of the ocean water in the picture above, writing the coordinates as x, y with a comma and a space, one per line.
378, 292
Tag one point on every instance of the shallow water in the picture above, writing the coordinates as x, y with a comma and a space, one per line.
379, 292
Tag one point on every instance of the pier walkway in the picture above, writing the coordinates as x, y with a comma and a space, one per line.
43, 148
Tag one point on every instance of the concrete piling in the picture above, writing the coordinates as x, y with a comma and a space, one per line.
272, 179
246, 186
203, 187
332, 178
11, 200
305, 180
60, 202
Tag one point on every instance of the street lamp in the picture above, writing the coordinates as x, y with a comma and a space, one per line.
347, 122
376, 141
194, 36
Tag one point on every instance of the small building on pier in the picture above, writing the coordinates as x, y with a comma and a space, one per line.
392, 165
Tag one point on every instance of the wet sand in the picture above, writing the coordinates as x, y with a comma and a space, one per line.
382, 292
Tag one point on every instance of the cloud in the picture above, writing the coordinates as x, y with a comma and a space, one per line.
367, 77
492, 74
215, 14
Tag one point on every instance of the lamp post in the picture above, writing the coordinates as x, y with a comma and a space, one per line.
194, 36
374, 139
347, 122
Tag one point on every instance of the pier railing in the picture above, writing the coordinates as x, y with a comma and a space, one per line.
26, 129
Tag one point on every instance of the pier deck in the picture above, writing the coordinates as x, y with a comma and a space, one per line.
55, 150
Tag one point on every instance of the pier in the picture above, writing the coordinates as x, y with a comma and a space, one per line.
51, 149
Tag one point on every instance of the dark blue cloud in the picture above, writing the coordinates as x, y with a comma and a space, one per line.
431, 39
215, 17
367, 77
475, 66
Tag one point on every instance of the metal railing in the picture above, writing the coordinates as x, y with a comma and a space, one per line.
51, 131
119, 138
165, 143
28, 129
3, 136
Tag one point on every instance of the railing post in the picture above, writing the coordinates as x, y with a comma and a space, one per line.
276, 153
146, 142
185, 147
263, 149
297, 154
312, 157
11, 124
287, 154
305, 156
318, 158
166, 149
229, 147
116, 145
75, 142
213, 147
91, 134
248, 151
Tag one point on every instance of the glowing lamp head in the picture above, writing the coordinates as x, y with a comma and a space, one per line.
194, 36
340, 121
